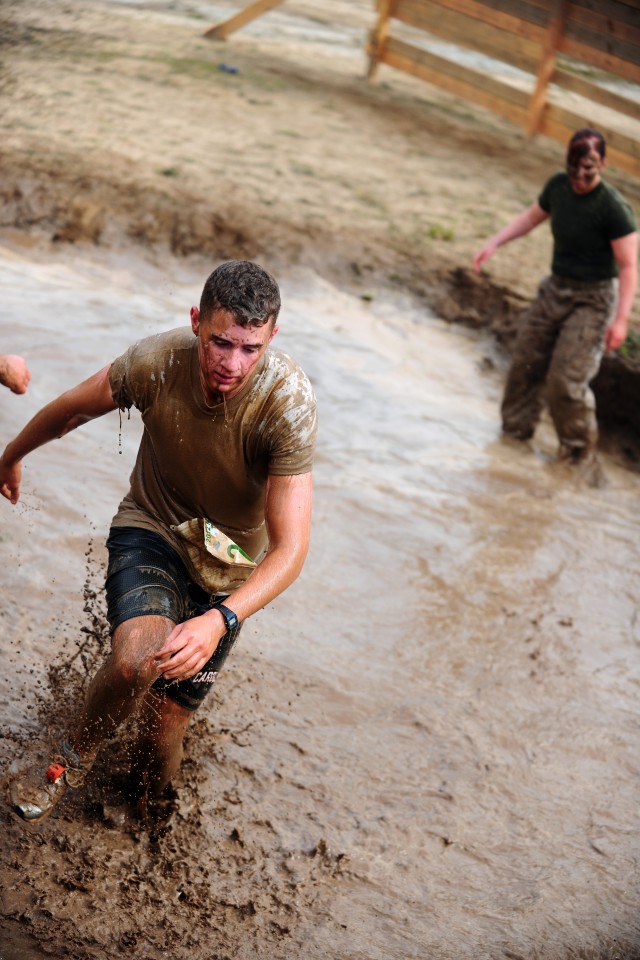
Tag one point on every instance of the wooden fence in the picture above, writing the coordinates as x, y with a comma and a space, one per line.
554, 42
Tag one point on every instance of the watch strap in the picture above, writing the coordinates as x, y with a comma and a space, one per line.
230, 618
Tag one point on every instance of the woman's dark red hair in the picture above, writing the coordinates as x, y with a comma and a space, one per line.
582, 142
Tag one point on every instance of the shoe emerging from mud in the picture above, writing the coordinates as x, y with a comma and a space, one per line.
34, 797
585, 464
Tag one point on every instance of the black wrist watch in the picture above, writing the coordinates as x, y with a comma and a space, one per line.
230, 618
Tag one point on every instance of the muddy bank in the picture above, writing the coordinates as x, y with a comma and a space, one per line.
120, 126
42, 198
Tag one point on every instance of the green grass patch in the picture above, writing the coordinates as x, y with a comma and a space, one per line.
370, 200
192, 66
303, 169
437, 232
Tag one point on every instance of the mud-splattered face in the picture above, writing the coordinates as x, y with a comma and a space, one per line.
585, 173
228, 352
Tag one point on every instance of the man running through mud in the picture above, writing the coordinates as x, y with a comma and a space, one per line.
215, 524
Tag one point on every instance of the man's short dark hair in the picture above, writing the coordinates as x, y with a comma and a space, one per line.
245, 289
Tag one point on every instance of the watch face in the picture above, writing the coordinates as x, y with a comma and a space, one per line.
230, 618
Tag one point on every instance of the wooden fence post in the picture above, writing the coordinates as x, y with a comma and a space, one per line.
379, 33
222, 30
547, 66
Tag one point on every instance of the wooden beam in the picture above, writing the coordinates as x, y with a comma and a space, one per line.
457, 79
614, 21
478, 11
378, 36
626, 69
547, 66
222, 30
466, 29
594, 92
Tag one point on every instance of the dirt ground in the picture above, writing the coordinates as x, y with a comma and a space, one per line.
122, 125
122, 121
119, 120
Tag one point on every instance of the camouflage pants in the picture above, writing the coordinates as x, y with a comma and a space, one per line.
557, 353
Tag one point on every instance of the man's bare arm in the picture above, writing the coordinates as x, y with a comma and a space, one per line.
90, 399
288, 516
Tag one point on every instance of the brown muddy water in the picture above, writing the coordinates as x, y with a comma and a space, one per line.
428, 747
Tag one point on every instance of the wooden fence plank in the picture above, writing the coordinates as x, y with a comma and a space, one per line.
615, 28
602, 37
600, 58
606, 15
596, 93
517, 50
478, 11
610, 10
386, 9
519, 18
222, 30
449, 20
458, 79
547, 66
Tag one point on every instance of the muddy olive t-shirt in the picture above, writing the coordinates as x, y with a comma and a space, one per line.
583, 226
210, 463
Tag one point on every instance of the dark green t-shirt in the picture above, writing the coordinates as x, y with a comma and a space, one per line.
583, 227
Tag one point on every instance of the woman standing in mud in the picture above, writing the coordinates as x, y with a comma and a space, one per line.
581, 309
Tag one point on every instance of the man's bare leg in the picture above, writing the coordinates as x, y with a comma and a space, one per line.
157, 752
122, 682
115, 692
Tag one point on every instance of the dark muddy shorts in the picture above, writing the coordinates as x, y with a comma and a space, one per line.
147, 577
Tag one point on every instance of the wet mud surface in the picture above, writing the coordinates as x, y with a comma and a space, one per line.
428, 746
